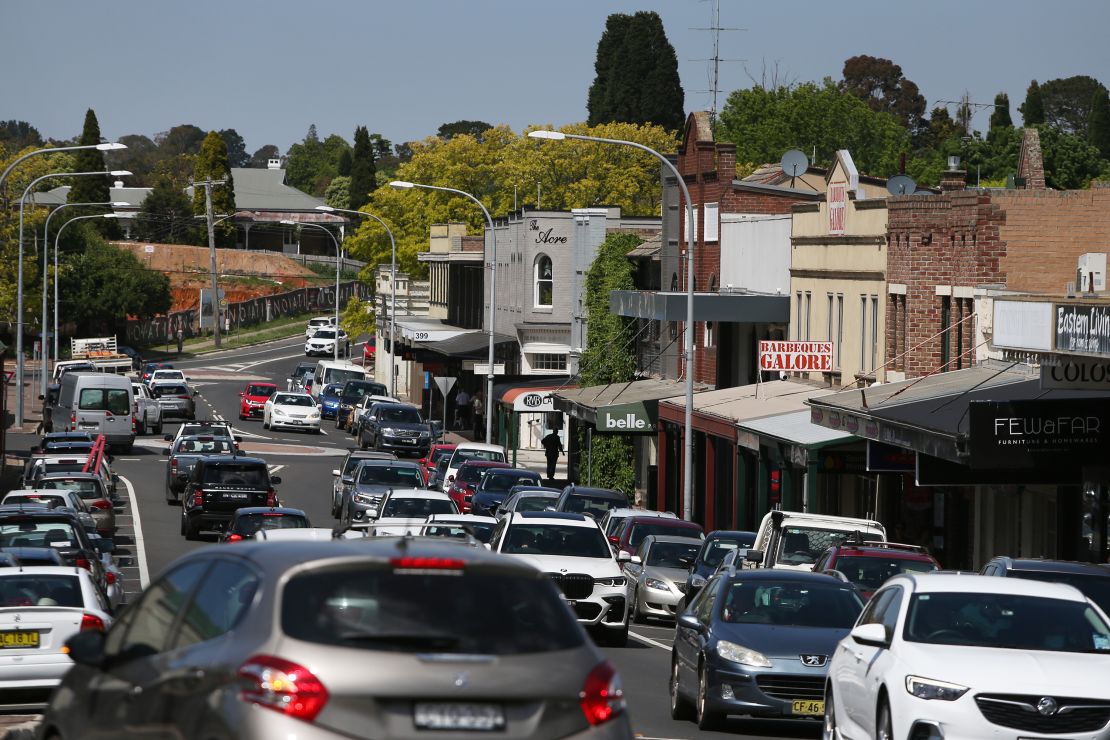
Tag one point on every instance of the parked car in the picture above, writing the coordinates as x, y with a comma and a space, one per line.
494, 485
466, 481
291, 411
716, 545
635, 528
182, 457
63, 499
869, 564
221, 484
92, 488
372, 480
97, 403
146, 412
58, 529
1092, 580
657, 575
404, 511
343, 476
528, 498
593, 502
253, 398
175, 398
351, 395
43, 466
247, 522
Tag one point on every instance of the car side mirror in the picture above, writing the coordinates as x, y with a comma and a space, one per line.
168, 437
450, 479
623, 557
241, 394
870, 634
86, 648
690, 622
335, 473
636, 560
754, 556
275, 479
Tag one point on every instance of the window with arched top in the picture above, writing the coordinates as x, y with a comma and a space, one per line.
544, 283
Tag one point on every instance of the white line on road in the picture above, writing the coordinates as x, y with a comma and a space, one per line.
649, 641
275, 468
140, 546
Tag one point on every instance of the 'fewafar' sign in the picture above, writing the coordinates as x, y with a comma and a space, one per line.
795, 356
1036, 433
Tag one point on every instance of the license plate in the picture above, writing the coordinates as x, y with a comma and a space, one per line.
472, 717
409, 441
88, 425
236, 496
19, 639
806, 706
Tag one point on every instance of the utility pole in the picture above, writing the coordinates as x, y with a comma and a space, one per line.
207, 185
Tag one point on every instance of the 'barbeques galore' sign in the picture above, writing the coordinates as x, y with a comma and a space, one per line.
796, 356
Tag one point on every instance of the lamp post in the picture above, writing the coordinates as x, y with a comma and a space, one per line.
688, 443
19, 280
106, 147
336, 243
393, 288
402, 184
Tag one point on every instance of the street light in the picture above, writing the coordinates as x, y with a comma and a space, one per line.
107, 147
19, 279
404, 185
688, 444
393, 291
336, 243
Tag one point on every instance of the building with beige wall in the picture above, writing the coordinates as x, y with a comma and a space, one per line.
838, 274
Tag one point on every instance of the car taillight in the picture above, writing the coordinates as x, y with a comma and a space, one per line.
110, 577
83, 563
173, 463
283, 686
73, 418
102, 504
271, 498
91, 622
602, 696
235, 538
198, 496
417, 563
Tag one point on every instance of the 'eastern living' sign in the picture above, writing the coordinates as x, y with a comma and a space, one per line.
795, 356
1083, 328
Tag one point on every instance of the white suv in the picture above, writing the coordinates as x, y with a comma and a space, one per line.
964, 656
315, 324
573, 552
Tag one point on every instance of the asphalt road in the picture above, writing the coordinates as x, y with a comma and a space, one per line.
304, 461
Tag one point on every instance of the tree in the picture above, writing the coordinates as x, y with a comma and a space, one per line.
1098, 124
17, 135
262, 156
1032, 110
344, 168
637, 74
212, 165
363, 181
880, 83
471, 128
92, 189
1000, 116
183, 139
305, 161
236, 148
167, 217
1070, 161
358, 318
609, 357
140, 157
1067, 103
338, 194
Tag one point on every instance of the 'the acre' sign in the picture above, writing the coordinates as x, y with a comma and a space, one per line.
796, 356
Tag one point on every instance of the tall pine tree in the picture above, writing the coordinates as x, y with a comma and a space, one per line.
363, 169
91, 188
1098, 123
612, 38
212, 164
1032, 110
1000, 118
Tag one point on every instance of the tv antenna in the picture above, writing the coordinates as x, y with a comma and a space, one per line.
965, 109
715, 73
794, 163
901, 185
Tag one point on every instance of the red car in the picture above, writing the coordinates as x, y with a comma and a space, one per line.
430, 460
466, 480
635, 528
869, 564
254, 397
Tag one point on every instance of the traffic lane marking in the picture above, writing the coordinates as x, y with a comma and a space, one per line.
137, 534
648, 640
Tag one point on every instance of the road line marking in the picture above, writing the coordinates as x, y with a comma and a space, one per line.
649, 641
140, 547
323, 432
130, 459
275, 468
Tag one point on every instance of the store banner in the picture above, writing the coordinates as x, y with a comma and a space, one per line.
795, 356
884, 458
1038, 433
933, 471
626, 418
1083, 328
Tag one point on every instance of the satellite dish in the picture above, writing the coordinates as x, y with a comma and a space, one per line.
901, 185
794, 163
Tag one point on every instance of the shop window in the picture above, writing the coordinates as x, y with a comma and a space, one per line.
710, 222
543, 281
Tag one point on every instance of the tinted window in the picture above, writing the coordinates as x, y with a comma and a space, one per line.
261, 390
500, 482
383, 475
640, 531
535, 503
331, 390
114, 400
400, 414
356, 389
144, 629
595, 507
481, 531
462, 456
232, 474
86, 488
170, 390
325, 334
1095, 588
377, 609
470, 473
249, 524
556, 539
334, 375
792, 604
803, 545
222, 599
441, 454
38, 533
671, 554
716, 549
870, 573
43, 500
416, 508
206, 446
40, 590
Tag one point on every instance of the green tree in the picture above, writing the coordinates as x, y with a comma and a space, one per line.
612, 38
880, 83
1000, 116
262, 156
1032, 110
358, 319
92, 189
304, 161
363, 169
338, 194
609, 357
1098, 124
140, 158
17, 135
344, 168
236, 148
183, 139
471, 128
212, 164
1070, 161
1067, 103
167, 217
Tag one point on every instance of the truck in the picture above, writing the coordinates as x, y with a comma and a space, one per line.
794, 540
103, 352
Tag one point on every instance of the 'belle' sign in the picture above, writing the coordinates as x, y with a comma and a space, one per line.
795, 356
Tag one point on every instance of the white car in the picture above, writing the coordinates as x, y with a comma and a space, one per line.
573, 552
465, 451
794, 540
147, 412
404, 511
59, 498
460, 526
291, 411
317, 323
323, 342
166, 375
203, 428
40, 608
963, 656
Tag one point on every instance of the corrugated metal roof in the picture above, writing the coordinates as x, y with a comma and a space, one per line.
749, 402
796, 428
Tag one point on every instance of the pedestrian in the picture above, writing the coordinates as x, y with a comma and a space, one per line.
477, 413
553, 447
462, 408
180, 341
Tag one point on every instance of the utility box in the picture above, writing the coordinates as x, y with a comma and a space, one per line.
1090, 275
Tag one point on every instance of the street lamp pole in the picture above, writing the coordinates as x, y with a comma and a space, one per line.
688, 442
492, 289
393, 289
337, 252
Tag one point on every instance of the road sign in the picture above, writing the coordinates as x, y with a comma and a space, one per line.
445, 384
482, 368
149, 249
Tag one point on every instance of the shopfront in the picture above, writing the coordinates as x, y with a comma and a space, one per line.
526, 414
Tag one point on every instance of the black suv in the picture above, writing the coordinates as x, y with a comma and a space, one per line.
593, 502
1091, 579
221, 484
397, 427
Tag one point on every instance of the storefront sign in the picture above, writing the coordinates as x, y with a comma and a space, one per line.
883, 458
795, 356
626, 418
534, 402
1023, 325
841, 462
1083, 328
1076, 374
1035, 434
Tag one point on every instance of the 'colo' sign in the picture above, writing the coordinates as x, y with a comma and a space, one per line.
795, 356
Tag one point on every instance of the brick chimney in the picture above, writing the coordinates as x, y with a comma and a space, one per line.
953, 178
1030, 160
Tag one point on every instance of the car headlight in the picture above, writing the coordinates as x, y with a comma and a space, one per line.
278, 412
425, 435
742, 655
389, 430
315, 414
365, 498
929, 688
657, 584
345, 406
617, 581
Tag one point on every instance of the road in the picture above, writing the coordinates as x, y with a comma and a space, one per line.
150, 542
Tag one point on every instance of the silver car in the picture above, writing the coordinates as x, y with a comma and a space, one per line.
657, 575
376, 637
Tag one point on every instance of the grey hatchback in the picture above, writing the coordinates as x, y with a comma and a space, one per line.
388, 637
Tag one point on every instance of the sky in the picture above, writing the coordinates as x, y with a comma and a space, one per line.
270, 68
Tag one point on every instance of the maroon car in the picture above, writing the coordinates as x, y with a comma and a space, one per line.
466, 480
636, 528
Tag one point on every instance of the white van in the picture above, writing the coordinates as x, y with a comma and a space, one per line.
97, 403
329, 371
793, 540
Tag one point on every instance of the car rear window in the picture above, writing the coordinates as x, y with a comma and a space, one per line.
52, 501
232, 474
1094, 587
672, 554
640, 531
213, 446
171, 390
294, 400
870, 573
250, 524
482, 531
37, 533
499, 482
86, 488
17, 589
416, 508
462, 456
595, 507
261, 390
790, 604
470, 473
535, 503
375, 608
114, 400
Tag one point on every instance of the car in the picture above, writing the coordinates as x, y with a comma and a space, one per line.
757, 643
494, 486
794, 539
459, 526
614, 518
54, 528
147, 412
403, 511
465, 451
205, 427
317, 323
359, 411
253, 398
397, 427
39, 467
247, 522
352, 393
92, 489
220, 484
634, 529
323, 342
42, 606
329, 401
572, 551
183, 455
295, 381
175, 399
59, 442
372, 479
34, 556
165, 374
466, 481
276, 639
53, 499
965, 656
1091, 579
870, 564
657, 575
435, 454
149, 368
343, 476
593, 502
528, 498
716, 545
291, 411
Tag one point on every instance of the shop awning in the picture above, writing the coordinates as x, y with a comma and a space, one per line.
738, 307
626, 408
423, 330
473, 345
796, 428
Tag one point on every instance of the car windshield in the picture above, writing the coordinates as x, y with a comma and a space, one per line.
400, 610
664, 527
715, 550
37, 533
1013, 621
294, 401
803, 545
462, 456
52, 501
249, 524
790, 604
168, 374
440, 454
535, 503
335, 375
1094, 587
403, 507
331, 390
86, 488
590, 505
112, 400
261, 390
17, 589
385, 475
556, 539
870, 573
213, 446
304, 367
221, 430
672, 554
232, 474
400, 415
482, 531
325, 334
498, 482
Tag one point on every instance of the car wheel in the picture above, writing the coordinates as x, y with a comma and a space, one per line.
171, 500
706, 717
191, 532
362, 442
828, 724
681, 709
158, 427
637, 618
184, 524
884, 727
241, 417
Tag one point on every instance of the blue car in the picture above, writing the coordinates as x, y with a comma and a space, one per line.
717, 544
329, 400
758, 642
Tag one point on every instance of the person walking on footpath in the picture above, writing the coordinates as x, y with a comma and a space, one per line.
478, 413
553, 447
462, 408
